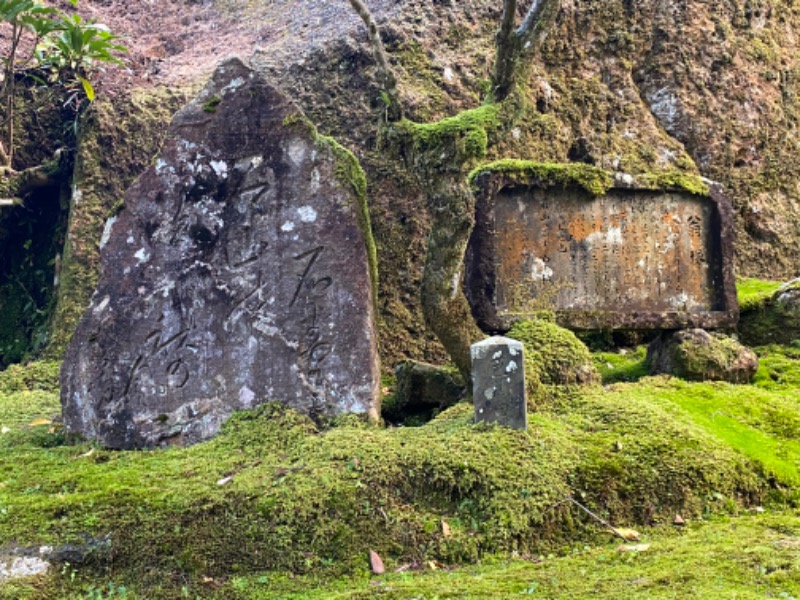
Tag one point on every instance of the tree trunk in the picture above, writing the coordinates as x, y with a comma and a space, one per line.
451, 206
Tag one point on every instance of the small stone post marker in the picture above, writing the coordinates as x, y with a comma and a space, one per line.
498, 382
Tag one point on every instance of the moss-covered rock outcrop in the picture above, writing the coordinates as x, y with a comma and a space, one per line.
698, 355
771, 316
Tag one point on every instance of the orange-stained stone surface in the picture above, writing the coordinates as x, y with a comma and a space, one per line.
630, 259
623, 251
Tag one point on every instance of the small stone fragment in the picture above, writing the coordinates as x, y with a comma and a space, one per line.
21, 566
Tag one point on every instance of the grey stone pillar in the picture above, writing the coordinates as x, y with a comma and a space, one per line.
498, 382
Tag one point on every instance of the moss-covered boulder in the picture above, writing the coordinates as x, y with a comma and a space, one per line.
698, 355
773, 319
422, 391
553, 356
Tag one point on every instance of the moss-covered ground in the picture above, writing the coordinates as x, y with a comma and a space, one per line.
274, 507
754, 556
752, 293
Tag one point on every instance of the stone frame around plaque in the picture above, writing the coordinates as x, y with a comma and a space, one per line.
484, 281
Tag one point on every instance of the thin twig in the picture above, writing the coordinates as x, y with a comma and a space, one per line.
389, 81
571, 500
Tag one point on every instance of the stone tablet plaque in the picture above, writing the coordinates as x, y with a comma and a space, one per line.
632, 259
237, 274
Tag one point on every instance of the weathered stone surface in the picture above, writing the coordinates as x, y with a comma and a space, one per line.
633, 259
237, 274
698, 355
498, 382
422, 389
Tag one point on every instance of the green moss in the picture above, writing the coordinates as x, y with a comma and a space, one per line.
212, 104
767, 317
778, 367
554, 354
673, 180
468, 130
37, 376
616, 367
754, 293
594, 180
761, 426
302, 500
752, 556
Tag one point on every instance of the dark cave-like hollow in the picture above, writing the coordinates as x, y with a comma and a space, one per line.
31, 243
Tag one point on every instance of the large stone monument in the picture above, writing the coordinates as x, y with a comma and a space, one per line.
239, 272
633, 258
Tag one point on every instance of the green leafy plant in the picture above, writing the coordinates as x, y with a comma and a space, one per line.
73, 49
57, 50
24, 18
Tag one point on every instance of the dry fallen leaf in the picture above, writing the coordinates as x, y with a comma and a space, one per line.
432, 565
629, 535
225, 480
87, 454
39, 422
446, 529
376, 563
634, 548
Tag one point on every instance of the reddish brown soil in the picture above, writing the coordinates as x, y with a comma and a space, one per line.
168, 41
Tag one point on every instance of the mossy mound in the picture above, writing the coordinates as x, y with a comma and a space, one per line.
553, 356
38, 376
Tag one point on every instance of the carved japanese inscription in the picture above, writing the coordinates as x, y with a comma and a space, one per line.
633, 258
237, 274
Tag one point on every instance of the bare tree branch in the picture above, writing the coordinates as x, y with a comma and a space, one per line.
505, 61
512, 44
531, 20
394, 111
